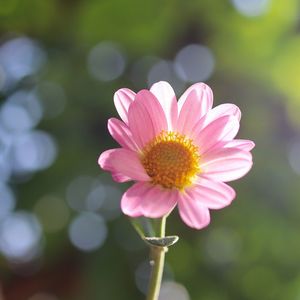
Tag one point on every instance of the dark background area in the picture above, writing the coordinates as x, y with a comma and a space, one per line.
62, 234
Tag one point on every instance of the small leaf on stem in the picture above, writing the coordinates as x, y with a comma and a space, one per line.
162, 241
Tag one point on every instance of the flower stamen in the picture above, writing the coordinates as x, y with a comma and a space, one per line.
171, 160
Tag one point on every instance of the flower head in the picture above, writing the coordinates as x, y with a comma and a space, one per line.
176, 152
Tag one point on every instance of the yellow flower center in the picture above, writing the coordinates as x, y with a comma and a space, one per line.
171, 160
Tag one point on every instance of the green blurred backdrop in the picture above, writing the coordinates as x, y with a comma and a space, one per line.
62, 235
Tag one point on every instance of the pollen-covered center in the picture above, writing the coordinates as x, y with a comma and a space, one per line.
171, 160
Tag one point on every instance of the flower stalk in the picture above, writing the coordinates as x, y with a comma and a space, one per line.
157, 260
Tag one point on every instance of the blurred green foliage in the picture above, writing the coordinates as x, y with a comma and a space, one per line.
251, 250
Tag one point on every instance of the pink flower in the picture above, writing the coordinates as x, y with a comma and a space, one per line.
177, 153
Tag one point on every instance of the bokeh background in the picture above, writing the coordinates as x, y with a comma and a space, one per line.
62, 234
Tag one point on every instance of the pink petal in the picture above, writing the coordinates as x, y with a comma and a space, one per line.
167, 99
132, 199
193, 104
192, 212
122, 99
210, 193
226, 164
118, 177
204, 93
224, 109
148, 200
158, 201
121, 133
123, 162
146, 118
245, 145
221, 110
223, 128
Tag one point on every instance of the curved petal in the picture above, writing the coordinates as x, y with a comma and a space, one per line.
122, 99
121, 133
223, 128
219, 111
146, 118
212, 194
226, 164
193, 104
132, 199
103, 161
118, 177
167, 99
204, 93
224, 109
123, 162
245, 145
158, 201
192, 212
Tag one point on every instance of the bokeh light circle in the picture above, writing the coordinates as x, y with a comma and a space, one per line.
21, 112
164, 70
20, 235
171, 290
106, 62
35, 150
251, 8
20, 57
194, 63
88, 231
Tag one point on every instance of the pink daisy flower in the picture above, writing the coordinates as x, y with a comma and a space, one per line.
178, 153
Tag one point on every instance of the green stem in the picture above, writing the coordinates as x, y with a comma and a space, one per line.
157, 263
